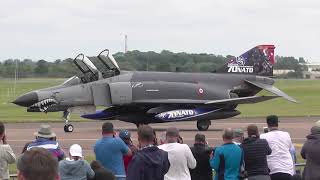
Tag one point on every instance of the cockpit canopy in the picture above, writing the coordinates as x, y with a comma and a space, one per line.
111, 67
89, 70
107, 66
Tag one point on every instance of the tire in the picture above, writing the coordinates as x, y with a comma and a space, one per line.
203, 125
68, 128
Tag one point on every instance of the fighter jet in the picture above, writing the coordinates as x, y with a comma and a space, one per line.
157, 97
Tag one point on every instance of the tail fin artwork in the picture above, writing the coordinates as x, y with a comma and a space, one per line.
257, 61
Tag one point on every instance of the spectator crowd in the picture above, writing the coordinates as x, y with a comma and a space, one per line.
266, 156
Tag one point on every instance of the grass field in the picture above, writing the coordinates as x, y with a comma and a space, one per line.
305, 91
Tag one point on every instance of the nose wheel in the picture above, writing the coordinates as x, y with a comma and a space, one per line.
67, 127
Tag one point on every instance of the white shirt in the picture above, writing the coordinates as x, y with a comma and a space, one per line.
181, 159
6, 157
280, 160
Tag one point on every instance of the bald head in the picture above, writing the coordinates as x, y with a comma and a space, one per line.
227, 134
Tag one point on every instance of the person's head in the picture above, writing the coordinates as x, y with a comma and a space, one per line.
227, 135
75, 152
45, 132
2, 130
172, 135
95, 165
200, 139
238, 135
253, 130
316, 128
125, 135
37, 164
107, 128
272, 121
145, 135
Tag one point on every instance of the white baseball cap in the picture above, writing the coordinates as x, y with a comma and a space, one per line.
76, 150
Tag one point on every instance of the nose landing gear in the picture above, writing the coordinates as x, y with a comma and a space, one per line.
67, 127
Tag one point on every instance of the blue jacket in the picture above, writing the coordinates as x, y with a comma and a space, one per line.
226, 162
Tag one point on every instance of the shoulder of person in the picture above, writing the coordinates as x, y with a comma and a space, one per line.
6, 147
263, 136
162, 146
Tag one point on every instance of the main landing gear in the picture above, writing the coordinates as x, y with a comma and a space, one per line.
67, 127
203, 125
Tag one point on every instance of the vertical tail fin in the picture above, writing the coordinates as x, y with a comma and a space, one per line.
257, 61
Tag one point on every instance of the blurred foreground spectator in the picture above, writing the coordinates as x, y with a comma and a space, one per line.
311, 152
280, 161
238, 136
255, 155
201, 153
75, 167
227, 158
46, 139
6, 154
109, 150
180, 156
37, 164
150, 162
126, 137
100, 172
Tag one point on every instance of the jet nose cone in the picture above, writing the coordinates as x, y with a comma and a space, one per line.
27, 100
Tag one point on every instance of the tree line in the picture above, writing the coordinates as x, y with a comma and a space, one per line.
139, 61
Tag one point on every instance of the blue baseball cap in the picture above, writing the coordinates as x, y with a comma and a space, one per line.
124, 134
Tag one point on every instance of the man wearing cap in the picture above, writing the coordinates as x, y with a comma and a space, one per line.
180, 156
279, 161
75, 167
310, 151
125, 135
46, 139
201, 153
109, 150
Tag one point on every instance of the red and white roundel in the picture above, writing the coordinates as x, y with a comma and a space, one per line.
201, 91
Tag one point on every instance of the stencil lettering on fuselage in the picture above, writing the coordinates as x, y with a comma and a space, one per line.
240, 69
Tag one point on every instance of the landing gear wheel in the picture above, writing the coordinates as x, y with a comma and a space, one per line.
203, 125
68, 128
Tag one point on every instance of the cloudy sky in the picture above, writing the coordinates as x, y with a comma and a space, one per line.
53, 29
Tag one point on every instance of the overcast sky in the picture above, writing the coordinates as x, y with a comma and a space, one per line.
53, 29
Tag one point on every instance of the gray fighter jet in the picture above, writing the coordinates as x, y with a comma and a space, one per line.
158, 97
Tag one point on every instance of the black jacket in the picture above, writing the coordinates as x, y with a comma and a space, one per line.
148, 163
203, 169
311, 152
255, 156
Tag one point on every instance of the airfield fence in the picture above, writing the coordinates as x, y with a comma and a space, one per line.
299, 170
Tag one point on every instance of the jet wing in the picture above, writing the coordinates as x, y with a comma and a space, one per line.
242, 100
271, 89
